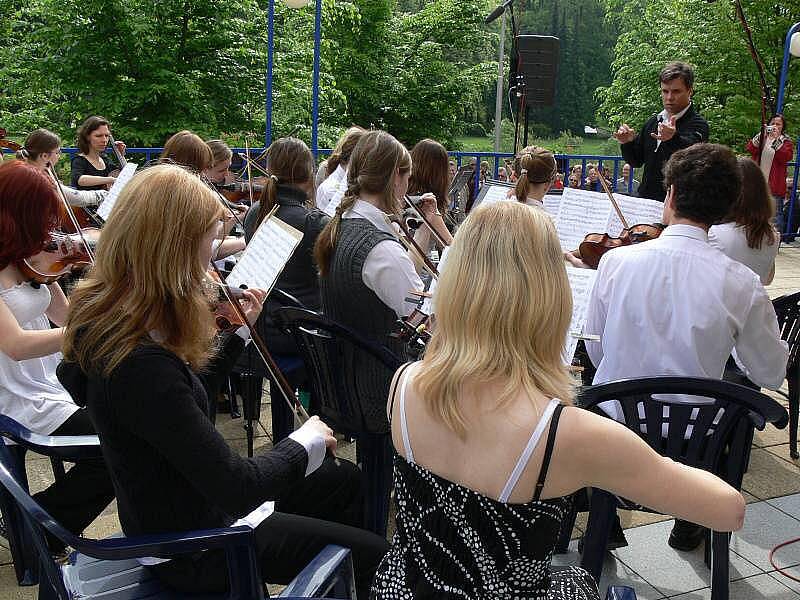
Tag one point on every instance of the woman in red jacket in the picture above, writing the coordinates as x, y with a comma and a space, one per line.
776, 154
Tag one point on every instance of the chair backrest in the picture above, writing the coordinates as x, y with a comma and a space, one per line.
787, 309
334, 356
713, 432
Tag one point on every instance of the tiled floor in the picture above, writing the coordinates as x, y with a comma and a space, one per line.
648, 564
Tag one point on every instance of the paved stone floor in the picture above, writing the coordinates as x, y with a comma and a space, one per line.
648, 564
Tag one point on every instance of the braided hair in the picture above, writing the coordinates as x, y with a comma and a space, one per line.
373, 164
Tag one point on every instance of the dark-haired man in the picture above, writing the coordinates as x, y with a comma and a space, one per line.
676, 305
677, 126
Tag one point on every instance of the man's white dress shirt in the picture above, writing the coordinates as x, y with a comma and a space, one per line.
388, 271
678, 306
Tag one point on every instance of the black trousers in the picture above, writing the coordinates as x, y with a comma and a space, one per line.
83, 493
325, 508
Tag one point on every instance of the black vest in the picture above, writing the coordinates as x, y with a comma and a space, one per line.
347, 300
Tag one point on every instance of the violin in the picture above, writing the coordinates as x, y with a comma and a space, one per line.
595, 245
240, 191
415, 331
63, 254
226, 316
407, 240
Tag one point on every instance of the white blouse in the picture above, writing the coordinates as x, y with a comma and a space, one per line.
29, 390
731, 240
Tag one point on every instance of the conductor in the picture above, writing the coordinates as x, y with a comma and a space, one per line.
677, 126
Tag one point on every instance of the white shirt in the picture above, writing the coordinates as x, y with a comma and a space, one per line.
30, 393
677, 306
731, 240
388, 271
335, 182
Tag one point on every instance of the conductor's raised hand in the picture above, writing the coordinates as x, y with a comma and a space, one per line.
666, 130
317, 426
624, 134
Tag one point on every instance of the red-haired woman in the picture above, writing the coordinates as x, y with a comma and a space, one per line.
30, 347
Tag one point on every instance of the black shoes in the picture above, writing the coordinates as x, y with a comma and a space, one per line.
686, 536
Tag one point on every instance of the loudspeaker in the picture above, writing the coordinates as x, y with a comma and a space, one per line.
538, 68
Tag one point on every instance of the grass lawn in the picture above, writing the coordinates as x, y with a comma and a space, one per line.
588, 145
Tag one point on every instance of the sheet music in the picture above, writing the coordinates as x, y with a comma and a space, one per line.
552, 204
635, 211
581, 282
579, 213
496, 193
336, 199
266, 255
111, 199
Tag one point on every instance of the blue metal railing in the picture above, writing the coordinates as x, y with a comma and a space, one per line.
497, 159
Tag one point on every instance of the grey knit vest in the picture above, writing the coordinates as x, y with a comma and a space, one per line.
347, 300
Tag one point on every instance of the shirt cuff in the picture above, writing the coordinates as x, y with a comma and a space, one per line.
314, 444
244, 333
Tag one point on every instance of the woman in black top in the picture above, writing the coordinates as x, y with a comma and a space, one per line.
138, 331
290, 187
92, 169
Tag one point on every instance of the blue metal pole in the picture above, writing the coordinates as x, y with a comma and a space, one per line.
270, 53
785, 66
315, 92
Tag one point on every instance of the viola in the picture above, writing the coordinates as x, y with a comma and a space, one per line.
595, 245
226, 316
63, 254
415, 331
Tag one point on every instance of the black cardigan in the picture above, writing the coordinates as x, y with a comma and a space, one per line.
172, 470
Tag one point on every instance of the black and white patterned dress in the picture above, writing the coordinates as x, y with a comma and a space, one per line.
453, 542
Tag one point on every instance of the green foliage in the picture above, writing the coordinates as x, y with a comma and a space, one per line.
157, 66
709, 36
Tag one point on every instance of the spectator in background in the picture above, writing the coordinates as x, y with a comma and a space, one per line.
453, 169
592, 179
484, 171
574, 180
502, 175
558, 184
623, 183
774, 157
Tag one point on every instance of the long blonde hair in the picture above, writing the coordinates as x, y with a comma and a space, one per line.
147, 276
504, 310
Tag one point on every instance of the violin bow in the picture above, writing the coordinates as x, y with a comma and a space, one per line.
607, 189
249, 172
52, 172
120, 159
424, 219
278, 377
407, 240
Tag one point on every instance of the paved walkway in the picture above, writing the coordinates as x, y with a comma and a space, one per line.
771, 487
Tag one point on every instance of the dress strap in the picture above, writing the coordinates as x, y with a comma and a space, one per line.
529, 448
548, 452
403, 421
393, 391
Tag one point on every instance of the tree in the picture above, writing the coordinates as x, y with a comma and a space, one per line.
710, 37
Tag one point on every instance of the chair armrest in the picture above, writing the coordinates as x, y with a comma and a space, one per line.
319, 575
65, 447
165, 545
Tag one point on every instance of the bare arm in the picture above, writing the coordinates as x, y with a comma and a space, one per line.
89, 180
22, 344
607, 455
59, 305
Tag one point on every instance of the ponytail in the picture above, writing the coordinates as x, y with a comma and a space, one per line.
521, 189
268, 198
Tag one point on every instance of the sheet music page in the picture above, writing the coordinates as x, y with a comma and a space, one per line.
636, 211
111, 198
552, 203
581, 212
266, 255
336, 199
496, 193
581, 282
